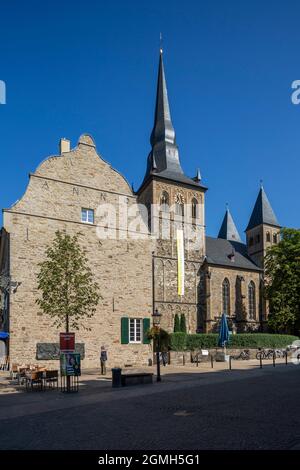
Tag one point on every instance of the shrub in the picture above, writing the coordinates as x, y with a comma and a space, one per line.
202, 341
176, 324
260, 340
178, 341
241, 340
182, 323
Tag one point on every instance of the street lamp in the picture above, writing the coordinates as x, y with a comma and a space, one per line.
156, 323
7, 285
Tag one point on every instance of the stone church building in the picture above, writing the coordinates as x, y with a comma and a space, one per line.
136, 266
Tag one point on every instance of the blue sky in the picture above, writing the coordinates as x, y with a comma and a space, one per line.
72, 67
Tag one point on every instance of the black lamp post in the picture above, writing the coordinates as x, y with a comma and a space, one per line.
156, 323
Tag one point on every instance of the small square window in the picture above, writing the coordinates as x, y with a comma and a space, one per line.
87, 216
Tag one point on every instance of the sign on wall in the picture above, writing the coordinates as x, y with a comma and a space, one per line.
51, 351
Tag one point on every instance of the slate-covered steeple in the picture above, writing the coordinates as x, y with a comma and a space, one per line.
163, 130
263, 229
163, 160
228, 230
262, 212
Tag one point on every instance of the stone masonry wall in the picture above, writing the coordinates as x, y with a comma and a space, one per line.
167, 300
238, 307
53, 200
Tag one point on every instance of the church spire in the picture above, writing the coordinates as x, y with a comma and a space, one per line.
163, 130
228, 230
163, 159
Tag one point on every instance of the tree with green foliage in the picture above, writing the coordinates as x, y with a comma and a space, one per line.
182, 323
176, 324
68, 292
282, 286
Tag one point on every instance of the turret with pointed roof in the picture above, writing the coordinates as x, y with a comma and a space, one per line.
262, 212
163, 159
228, 229
263, 229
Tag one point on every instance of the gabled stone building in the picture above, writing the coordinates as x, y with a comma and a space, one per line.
136, 274
64, 194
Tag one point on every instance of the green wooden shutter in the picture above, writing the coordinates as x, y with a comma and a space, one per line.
146, 328
124, 330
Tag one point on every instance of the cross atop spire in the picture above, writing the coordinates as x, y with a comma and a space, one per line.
228, 230
161, 42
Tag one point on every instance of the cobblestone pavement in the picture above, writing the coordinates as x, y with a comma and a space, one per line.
238, 409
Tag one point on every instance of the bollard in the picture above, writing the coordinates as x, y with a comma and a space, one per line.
260, 361
212, 362
274, 355
286, 362
197, 360
229, 362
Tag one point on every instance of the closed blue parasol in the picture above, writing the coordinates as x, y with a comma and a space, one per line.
224, 332
4, 335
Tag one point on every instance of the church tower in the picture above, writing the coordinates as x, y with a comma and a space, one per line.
175, 204
228, 230
263, 229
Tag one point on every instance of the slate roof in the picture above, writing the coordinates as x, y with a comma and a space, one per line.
228, 230
219, 253
173, 176
163, 160
262, 212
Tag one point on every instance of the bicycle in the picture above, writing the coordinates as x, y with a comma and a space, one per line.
244, 355
264, 354
280, 353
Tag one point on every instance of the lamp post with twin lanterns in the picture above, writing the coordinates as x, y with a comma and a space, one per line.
156, 323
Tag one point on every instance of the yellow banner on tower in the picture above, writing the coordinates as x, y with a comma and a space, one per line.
180, 262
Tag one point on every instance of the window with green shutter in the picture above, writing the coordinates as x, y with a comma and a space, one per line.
135, 330
146, 328
124, 330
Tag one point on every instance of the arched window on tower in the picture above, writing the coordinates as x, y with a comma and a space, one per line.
194, 208
179, 205
275, 238
268, 237
251, 241
251, 301
226, 297
164, 202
